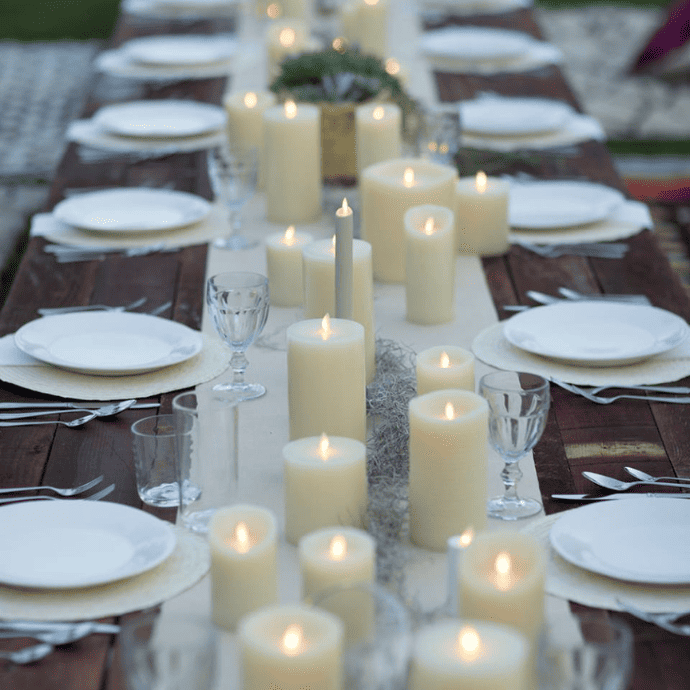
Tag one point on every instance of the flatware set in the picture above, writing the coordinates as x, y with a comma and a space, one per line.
93, 497
607, 400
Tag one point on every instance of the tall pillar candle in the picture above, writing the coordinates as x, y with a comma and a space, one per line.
344, 228
444, 366
372, 27
244, 575
319, 290
325, 483
378, 133
429, 264
326, 378
448, 465
284, 266
469, 655
291, 647
388, 189
292, 135
481, 215
284, 38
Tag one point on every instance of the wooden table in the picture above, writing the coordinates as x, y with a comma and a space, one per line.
579, 435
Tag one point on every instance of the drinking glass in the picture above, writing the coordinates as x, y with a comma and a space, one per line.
518, 408
233, 173
440, 133
238, 304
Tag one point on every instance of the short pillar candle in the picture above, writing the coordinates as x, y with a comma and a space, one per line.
326, 378
444, 366
388, 189
448, 465
325, 483
244, 575
378, 133
429, 264
284, 266
469, 655
291, 647
481, 215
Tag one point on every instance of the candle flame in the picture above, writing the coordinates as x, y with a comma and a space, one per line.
449, 411
287, 37
502, 563
503, 575
392, 66
325, 450
480, 182
444, 361
345, 209
408, 177
378, 113
326, 330
290, 110
466, 537
292, 639
288, 239
274, 10
337, 549
429, 228
240, 538
468, 643
250, 99
339, 44
371, 2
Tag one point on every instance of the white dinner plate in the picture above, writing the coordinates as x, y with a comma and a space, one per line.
505, 117
546, 204
66, 544
596, 333
475, 44
132, 210
163, 119
179, 50
641, 539
108, 343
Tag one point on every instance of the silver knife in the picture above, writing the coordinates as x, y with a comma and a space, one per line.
73, 405
613, 497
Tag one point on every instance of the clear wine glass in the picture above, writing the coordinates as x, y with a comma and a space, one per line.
518, 408
233, 174
238, 304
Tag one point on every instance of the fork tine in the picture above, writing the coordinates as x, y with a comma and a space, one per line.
100, 494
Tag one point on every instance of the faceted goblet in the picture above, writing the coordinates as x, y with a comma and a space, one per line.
238, 304
518, 408
233, 174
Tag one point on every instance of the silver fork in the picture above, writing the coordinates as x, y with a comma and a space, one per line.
93, 497
607, 400
52, 311
69, 491
667, 621
592, 249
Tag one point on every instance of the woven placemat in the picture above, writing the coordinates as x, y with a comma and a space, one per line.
187, 564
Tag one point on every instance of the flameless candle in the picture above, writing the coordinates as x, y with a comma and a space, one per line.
444, 366
448, 459
481, 215
319, 290
285, 37
429, 264
292, 135
326, 378
244, 575
325, 483
469, 655
378, 133
343, 261
291, 647
284, 266
457, 545
502, 579
370, 27
388, 190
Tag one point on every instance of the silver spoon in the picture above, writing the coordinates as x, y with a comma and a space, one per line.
63, 635
639, 474
74, 423
105, 411
617, 485
27, 655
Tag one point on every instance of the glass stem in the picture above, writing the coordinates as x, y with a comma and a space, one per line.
239, 365
511, 475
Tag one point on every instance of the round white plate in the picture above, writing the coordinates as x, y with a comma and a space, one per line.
179, 50
66, 544
132, 210
505, 117
596, 333
108, 343
544, 205
639, 539
475, 44
165, 118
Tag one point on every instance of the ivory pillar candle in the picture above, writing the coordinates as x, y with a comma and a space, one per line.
344, 228
371, 32
326, 378
292, 135
325, 483
448, 459
429, 264
284, 266
481, 215
378, 133
388, 189
244, 574
284, 37
319, 290
469, 655
444, 366
502, 580
291, 647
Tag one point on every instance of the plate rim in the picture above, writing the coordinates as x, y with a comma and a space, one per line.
602, 568
167, 534
527, 39
222, 54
